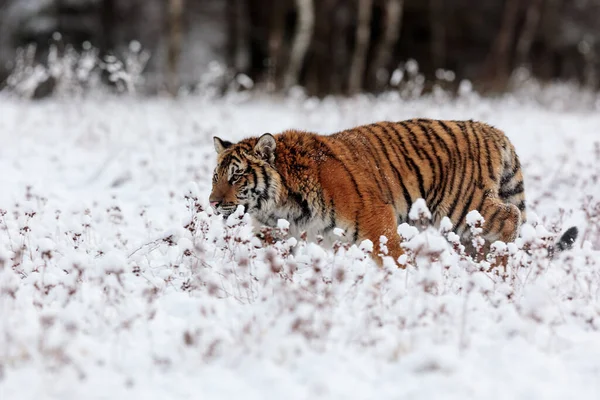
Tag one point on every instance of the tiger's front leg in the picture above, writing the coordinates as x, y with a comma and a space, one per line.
363, 217
377, 221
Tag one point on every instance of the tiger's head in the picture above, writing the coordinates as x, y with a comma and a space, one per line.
245, 175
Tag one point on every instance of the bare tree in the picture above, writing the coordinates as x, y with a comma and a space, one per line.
237, 40
438, 33
276, 37
341, 23
302, 38
546, 64
242, 57
587, 47
384, 52
175, 35
363, 37
498, 63
320, 69
534, 12
231, 11
107, 20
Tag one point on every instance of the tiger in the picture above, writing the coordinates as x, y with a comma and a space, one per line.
364, 180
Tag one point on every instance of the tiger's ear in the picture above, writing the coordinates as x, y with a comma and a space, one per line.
220, 145
265, 147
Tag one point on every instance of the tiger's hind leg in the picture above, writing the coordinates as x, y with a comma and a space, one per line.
511, 188
502, 220
377, 221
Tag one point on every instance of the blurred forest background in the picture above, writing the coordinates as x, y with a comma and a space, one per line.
326, 46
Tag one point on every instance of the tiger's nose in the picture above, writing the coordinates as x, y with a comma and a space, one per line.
215, 200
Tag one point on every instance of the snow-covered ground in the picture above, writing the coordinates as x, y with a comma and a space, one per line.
117, 282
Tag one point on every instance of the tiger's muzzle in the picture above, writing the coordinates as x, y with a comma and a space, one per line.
222, 207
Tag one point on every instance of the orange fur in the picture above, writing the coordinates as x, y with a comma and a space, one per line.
365, 179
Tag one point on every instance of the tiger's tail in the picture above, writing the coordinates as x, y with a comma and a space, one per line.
565, 242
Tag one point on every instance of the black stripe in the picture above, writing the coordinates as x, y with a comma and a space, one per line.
412, 138
439, 138
306, 212
322, 207
407, 198
511, 174
348, 145
422, 120
463, 129
226, 160
263, 195
245, 145
492, 218
463, 167
410, 162
521, 205
483, 197
508, 193
377, 159
465, 210
255, 180
502, 223
464, 161
489, 159
478, 148
442, 179
454, 202
383, 149
331, 154
331, 224
438, 184
429, 160
266, 178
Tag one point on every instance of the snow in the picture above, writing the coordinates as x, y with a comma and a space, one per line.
407, 231
474, 218
527, 232
338, 232
419, 210
445, 225
283, 224
118, 281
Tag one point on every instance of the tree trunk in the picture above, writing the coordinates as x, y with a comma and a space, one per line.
242, 61
231, 17
498, 64
590, 69
302, 39
238, 47
108, 21
438, 33
393, 21
319, 59
276, 36
258, 20
547, 65
529, 31
175, 23
341, 60
363, 36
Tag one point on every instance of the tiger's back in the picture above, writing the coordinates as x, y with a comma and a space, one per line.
456, 166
